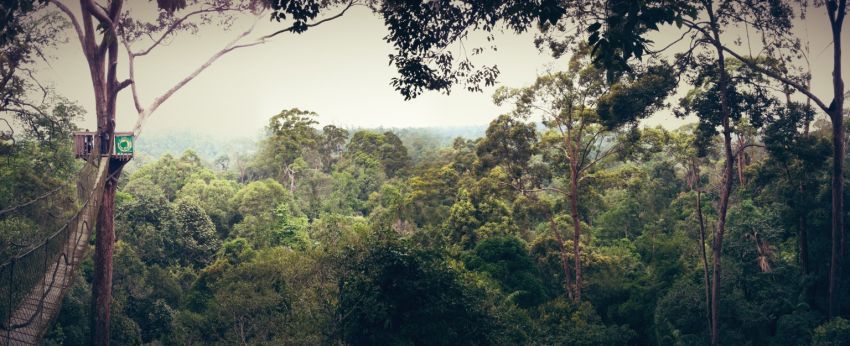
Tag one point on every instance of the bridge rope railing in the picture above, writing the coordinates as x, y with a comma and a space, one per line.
48, 193
9, 247
29, 277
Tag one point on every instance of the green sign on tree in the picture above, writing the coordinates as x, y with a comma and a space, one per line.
124, 144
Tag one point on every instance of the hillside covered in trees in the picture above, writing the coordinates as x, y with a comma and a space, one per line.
566, 220
325, 236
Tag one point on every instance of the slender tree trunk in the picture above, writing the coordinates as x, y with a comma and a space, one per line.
717, 246
704, 256
726, 187
837, 236
576, 231
802, 236
836, 12
802, 223
564, 262
742, 164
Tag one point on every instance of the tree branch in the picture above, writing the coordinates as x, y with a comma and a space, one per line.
13, 66
11, 134
548, 188
797, 86
741, 149
177, 23
131, 65
107, 20
44, 91
611, 150
159, 100
74, 22
125, 83
585, 153
751, 64
144, 113
98, 12
671, 44
288, 29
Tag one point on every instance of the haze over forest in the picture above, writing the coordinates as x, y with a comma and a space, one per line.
442, 172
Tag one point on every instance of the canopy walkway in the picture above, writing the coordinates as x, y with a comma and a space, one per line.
36, 276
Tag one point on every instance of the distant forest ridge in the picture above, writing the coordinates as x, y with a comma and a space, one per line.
151, 146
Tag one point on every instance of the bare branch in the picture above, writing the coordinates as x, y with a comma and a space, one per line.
684, 34
176, 25
245, 45
125, 83
546, 112
159, 100
144, 113
73, 20
131, 64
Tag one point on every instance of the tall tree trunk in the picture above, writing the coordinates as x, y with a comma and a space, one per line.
102, 60
837, 236
576, 231
564, 262
704, 257
726, 187
702, 249
104, 246
836, 12
717, 246
105, 236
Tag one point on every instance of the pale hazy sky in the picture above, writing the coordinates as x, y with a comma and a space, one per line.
339, 70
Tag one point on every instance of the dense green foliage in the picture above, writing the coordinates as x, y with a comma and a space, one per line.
348, 240
36, 167
564, 223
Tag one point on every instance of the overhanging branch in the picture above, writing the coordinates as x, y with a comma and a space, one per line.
785, 80
146, 112
288, 29
177, 24
74, 22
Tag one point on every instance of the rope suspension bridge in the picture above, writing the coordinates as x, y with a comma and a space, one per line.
35, 277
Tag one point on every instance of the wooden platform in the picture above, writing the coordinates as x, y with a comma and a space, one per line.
35, 314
